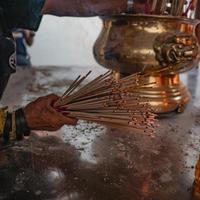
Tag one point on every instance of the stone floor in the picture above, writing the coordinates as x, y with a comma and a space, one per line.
93, 162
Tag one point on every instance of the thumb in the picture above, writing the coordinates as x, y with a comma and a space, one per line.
52, 99
70, 120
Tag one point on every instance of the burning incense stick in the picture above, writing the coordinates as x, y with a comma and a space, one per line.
109, 100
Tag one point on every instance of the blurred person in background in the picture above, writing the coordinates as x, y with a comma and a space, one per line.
23, 38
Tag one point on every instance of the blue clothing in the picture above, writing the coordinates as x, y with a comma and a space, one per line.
23, 61
23, 58
20, 43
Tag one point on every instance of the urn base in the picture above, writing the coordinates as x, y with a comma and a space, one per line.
168, 95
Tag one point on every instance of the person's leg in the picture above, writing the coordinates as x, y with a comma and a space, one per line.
23, 61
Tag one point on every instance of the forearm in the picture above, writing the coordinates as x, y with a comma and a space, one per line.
84, 7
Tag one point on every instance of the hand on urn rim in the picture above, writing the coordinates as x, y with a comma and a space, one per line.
40, 115
84, 7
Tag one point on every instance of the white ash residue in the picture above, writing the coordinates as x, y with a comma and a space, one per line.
82, 137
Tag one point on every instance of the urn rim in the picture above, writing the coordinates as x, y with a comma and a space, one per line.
151, 17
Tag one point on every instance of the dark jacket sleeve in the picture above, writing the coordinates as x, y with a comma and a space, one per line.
24, 14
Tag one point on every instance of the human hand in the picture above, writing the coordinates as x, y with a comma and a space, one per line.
29, 36
40, 115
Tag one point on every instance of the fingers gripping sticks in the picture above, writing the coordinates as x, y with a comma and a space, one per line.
109, 100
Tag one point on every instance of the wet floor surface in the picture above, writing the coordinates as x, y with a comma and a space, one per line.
93, 162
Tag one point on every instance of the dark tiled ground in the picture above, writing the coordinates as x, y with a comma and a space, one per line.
92, 162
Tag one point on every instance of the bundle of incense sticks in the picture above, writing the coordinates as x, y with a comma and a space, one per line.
109, 100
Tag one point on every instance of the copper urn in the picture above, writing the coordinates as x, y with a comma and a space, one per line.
163, 46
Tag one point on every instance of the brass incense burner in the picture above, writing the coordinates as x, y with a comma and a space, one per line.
163, 46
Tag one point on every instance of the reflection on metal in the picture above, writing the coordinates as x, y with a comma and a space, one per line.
147, 43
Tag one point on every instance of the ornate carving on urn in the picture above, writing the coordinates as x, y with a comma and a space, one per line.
176, 51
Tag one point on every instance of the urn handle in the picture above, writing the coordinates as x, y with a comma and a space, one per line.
176, 50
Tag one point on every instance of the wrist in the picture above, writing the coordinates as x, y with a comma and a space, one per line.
15, 127
29, 117
22, 128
